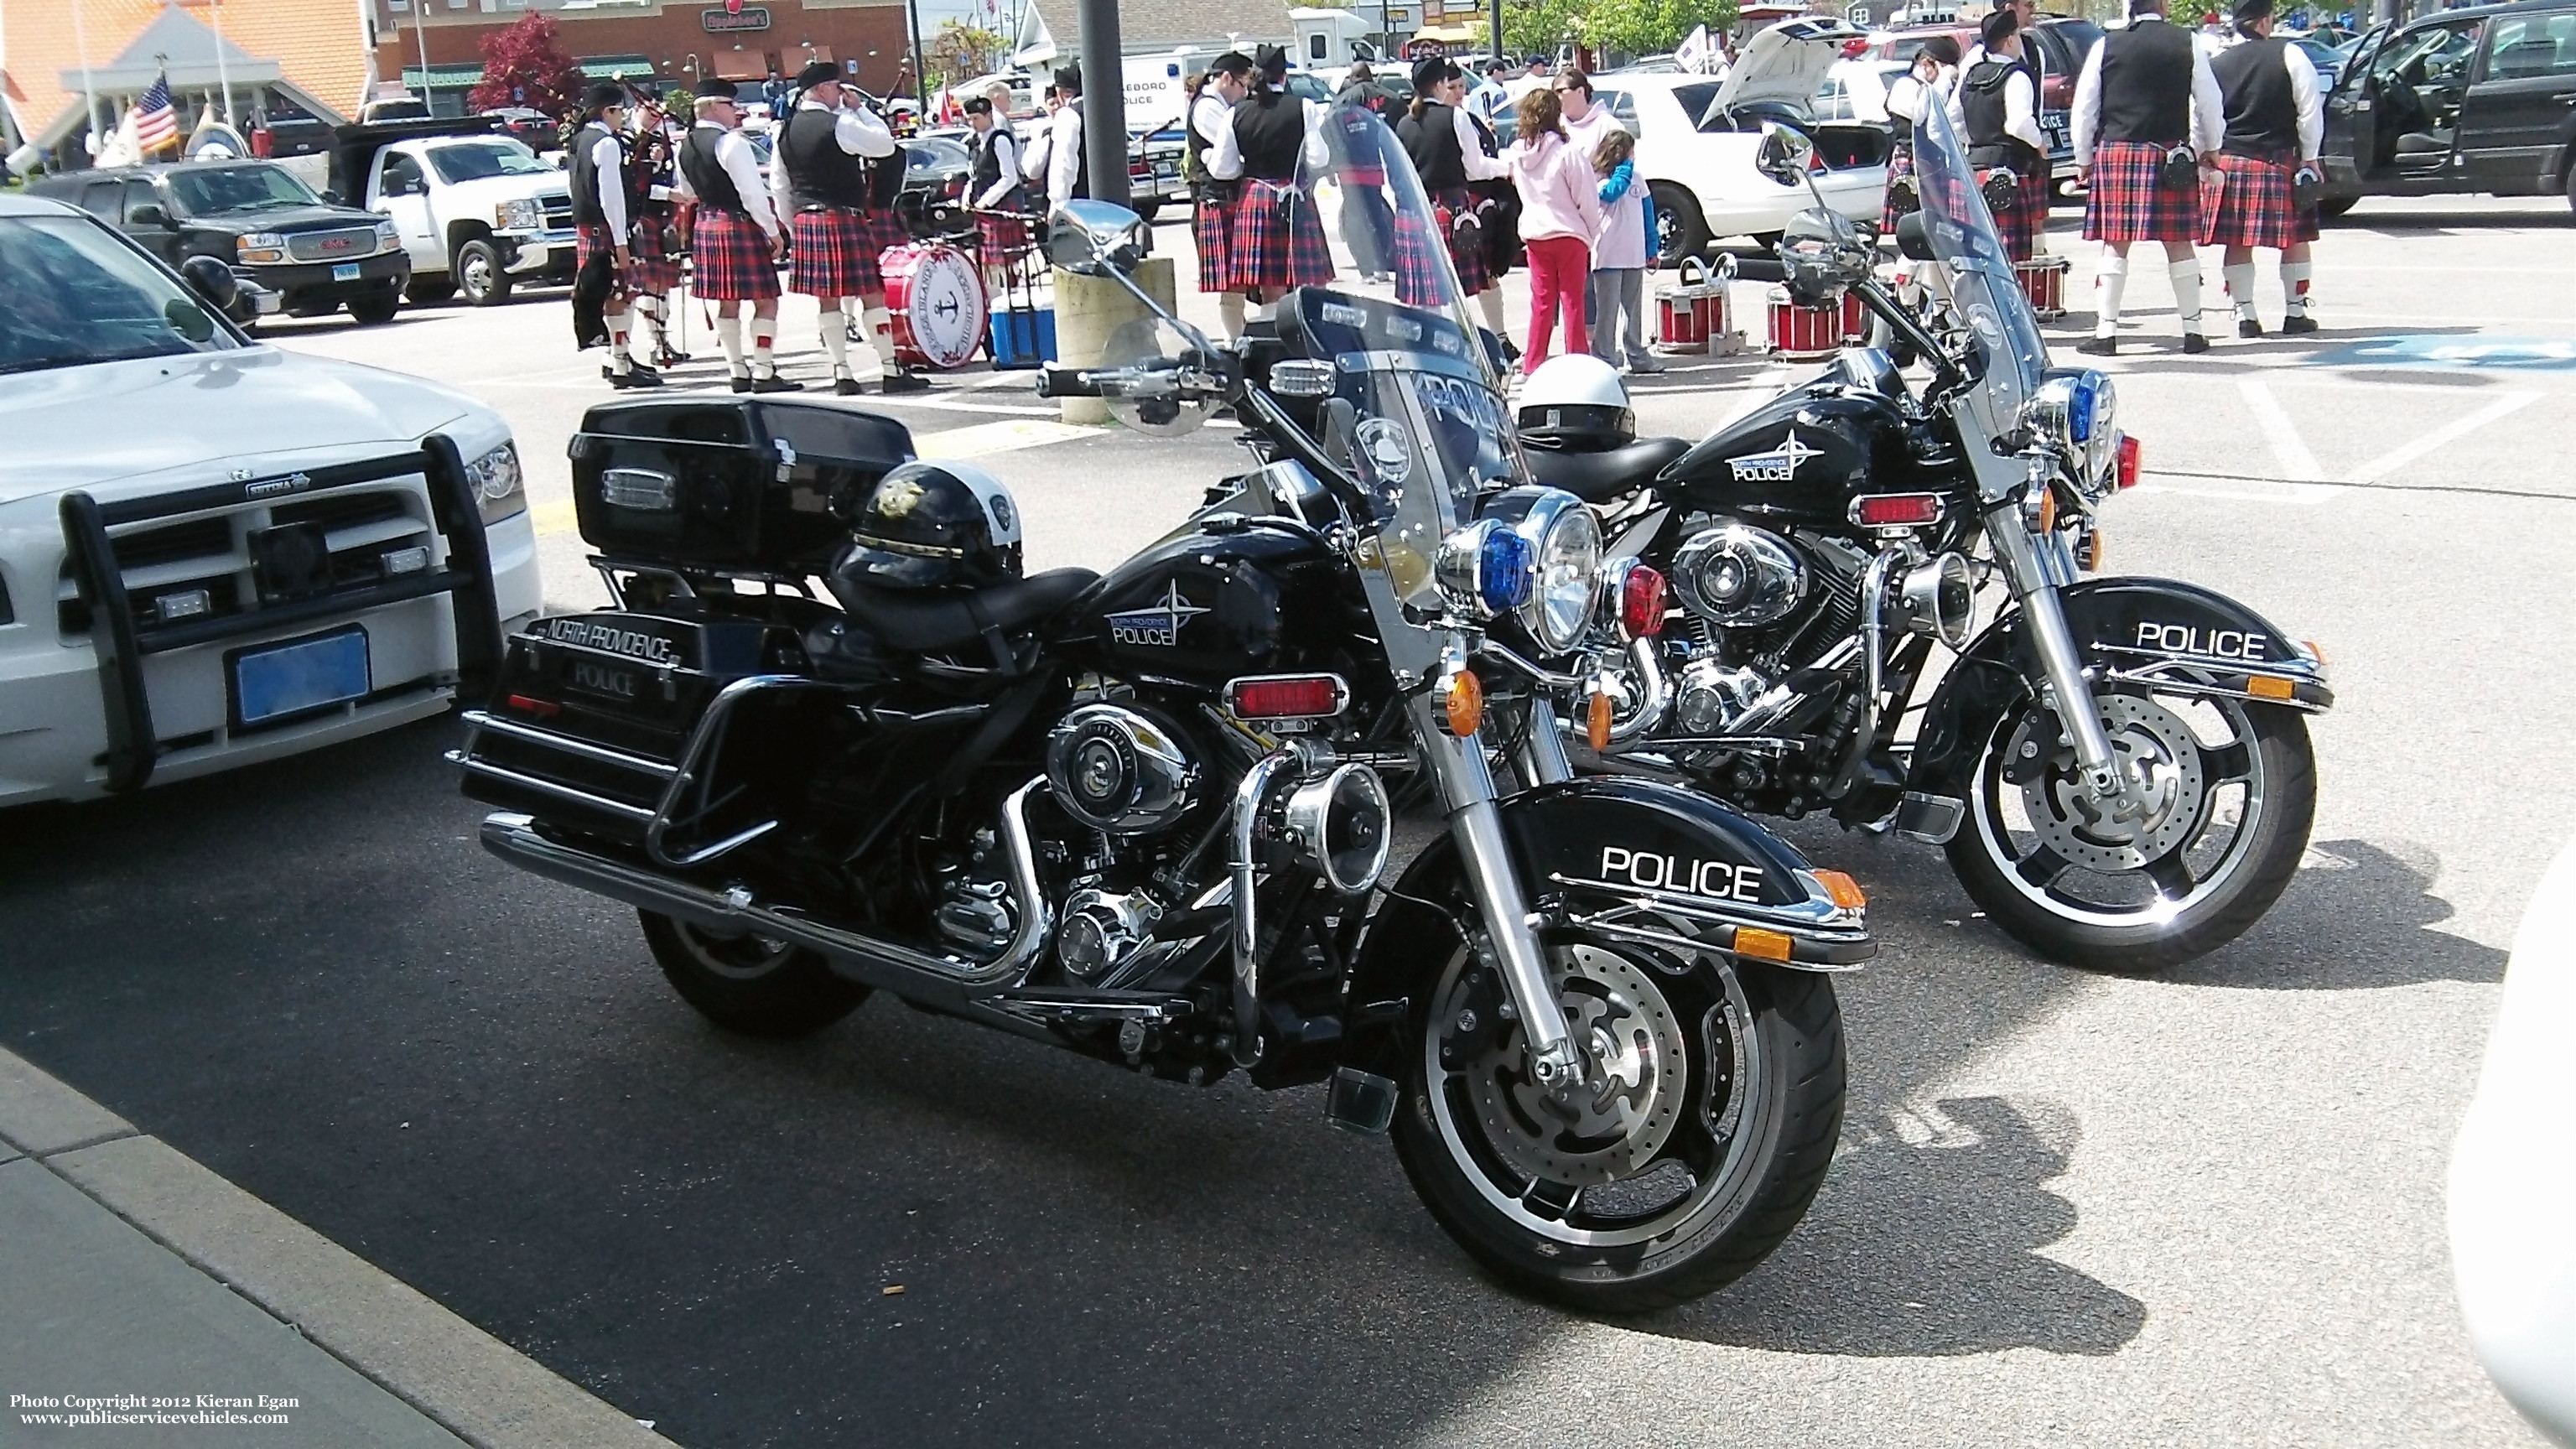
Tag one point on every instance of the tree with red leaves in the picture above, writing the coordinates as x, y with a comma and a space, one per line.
525, 65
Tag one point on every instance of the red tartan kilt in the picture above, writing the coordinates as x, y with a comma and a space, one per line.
2130, 201
834, 255
1277, 240
2037, 196
1417, 260
1467, 247
2015, 221
653, 274
594, 240
729, 258
886, 229
1000, 237
2247, 202
1212, 232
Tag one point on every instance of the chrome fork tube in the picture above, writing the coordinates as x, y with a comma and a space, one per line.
1467, 788
2055, 645
1542, 753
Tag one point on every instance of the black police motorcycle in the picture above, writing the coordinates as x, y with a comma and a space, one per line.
2119, 768
1145, 816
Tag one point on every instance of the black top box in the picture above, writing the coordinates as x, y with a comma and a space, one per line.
738, 484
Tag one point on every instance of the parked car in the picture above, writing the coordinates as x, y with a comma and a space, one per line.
1696, 138
2466, 101
287, 552
541, 132
2326, 59
479, 212
257, 219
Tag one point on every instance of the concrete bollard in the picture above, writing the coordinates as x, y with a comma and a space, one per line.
1088, 310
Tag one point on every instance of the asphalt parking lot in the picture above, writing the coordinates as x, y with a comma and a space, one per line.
2198, 1208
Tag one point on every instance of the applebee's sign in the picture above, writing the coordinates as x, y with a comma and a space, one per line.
749, 17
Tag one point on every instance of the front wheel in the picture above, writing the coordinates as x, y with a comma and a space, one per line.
376, 308
479, 276
1713, 1096
750, 984
1680, 230
2230, 791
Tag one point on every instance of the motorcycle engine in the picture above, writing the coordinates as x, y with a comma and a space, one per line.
1757, 605
1120, 771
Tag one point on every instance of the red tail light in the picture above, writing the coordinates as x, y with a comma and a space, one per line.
1896, 510
1286, 696
529, 703
1641, 603
2131, 457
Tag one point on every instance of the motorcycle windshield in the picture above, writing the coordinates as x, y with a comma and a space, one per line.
1379, 297
1980, 273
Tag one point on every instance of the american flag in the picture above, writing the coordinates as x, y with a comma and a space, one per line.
155, 124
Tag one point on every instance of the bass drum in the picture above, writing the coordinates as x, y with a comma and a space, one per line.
937, 298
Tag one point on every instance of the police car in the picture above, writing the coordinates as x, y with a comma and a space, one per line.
213, 552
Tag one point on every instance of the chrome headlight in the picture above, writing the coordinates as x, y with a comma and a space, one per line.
2077, 413
260, 248
1565, 554
500, 489
522, 214
388, 236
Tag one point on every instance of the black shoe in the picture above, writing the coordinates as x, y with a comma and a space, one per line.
638, 378
2099, 346
775, 383
845, 387
644, 376
2194, 342
2299, 324
900, 381
2248, 327
741, 382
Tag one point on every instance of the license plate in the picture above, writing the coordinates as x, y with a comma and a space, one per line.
286, 679
345, 272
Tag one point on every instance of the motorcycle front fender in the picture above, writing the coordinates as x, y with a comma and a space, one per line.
2164, 634
1622, 858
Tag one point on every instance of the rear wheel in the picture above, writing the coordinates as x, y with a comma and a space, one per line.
1713, 1096
428, 289
2334, 206
749, 983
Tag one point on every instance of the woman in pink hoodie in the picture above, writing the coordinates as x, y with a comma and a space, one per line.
1560, 214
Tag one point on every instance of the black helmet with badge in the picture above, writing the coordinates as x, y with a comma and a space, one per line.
935, 525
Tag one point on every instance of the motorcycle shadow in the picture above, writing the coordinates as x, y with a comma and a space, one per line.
1927, 1242
2358, 916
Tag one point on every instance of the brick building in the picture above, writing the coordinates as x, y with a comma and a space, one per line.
687, 43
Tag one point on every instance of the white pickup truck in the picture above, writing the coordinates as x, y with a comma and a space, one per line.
479, 212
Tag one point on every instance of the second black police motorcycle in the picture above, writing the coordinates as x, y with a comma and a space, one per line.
1143, 815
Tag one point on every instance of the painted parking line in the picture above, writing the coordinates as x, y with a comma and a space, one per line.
2395, 459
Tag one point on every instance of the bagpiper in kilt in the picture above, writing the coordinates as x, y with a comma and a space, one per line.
1212, 234
1926, 82
1996, 94
2275, 125
993, 189
729, 258
1212, 199
733, 236
605, 201
593, 240
2145, 116
1437, 138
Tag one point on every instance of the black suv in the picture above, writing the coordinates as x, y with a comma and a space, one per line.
2479, 100
257, 218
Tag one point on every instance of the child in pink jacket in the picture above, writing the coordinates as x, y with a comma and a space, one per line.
1560, 214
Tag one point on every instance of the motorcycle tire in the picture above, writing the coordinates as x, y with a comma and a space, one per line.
748, 984
2215, 908
1769, 1143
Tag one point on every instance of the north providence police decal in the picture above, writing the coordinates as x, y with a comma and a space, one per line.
1780, 465
1159, 626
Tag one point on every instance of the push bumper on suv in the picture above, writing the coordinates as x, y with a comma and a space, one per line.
239, 621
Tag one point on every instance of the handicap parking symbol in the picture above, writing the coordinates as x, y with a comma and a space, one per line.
2507, 352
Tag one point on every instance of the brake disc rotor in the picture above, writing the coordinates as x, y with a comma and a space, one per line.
1636, 1078
2156, 749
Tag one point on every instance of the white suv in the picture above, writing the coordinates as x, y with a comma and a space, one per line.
213, 552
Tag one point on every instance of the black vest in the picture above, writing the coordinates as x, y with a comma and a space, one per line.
706, 175
2146, 84
1268, 128
2262, 115
819, 172
885, 179
585, 176
1981, 102
988, 167
1430, 137
1195, 148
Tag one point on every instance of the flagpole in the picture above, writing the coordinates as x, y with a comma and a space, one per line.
420, 32
89, 89
223, 73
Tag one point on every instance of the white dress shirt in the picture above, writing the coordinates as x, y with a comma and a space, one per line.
2208, 107
1208, 115
742, 168
1906, 96
1225, 158
608, 159
856, 132
1006, 152
1471, 149
1064, 152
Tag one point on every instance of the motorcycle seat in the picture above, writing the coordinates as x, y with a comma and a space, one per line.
924, 621
1601, 477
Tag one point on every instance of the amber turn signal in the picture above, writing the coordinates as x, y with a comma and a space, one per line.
1462, 702
1596, 722
1842, 890
1768, 945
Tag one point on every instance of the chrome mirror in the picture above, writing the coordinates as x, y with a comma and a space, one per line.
1785, 154
1095, 237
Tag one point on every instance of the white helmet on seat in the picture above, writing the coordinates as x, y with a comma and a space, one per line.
1576, 404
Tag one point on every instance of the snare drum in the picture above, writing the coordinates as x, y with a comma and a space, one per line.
937, 298
1855, 320
2043, 280
1692, 313
1803, 334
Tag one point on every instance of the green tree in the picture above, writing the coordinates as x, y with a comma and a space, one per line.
960, 51
1626, 28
